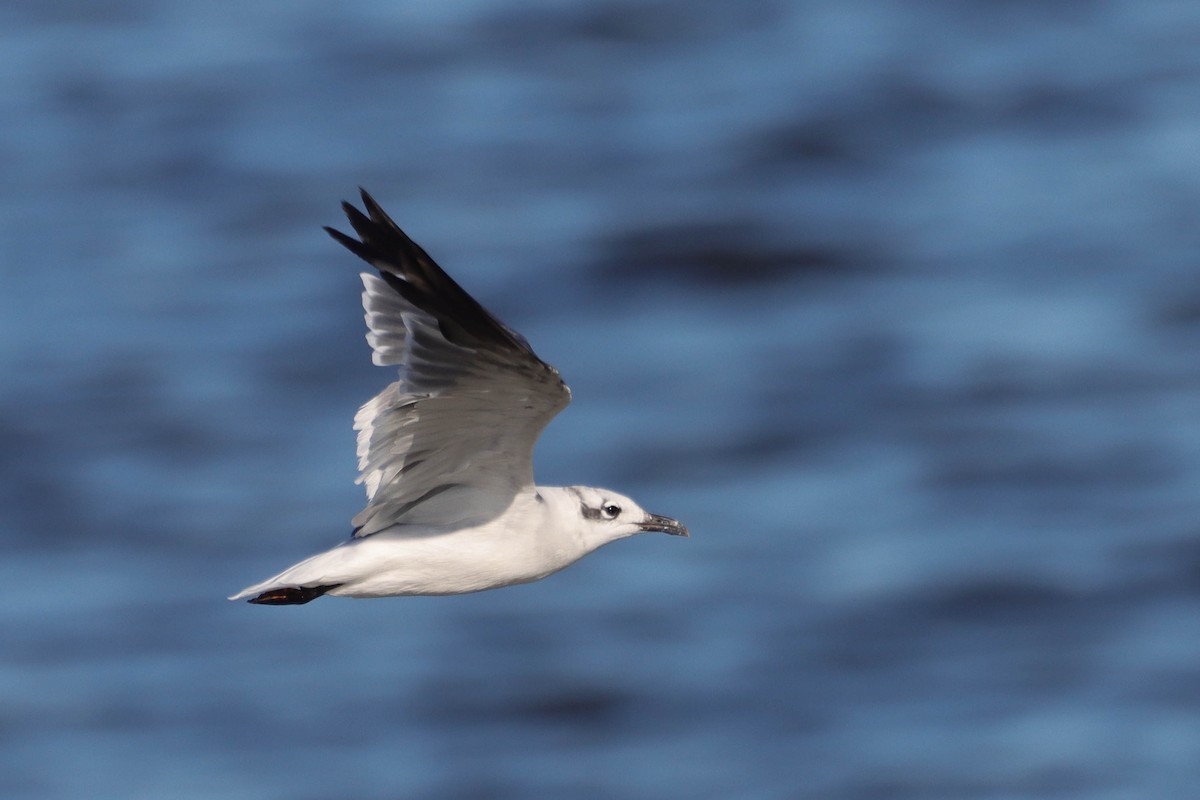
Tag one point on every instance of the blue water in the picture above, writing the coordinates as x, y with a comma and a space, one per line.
897, 306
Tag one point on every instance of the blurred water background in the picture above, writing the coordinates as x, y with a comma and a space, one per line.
896, 305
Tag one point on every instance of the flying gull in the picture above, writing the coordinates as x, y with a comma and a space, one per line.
446, 451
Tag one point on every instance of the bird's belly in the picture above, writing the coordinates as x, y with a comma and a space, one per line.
448, 563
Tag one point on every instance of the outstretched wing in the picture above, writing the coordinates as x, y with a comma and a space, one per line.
450, 442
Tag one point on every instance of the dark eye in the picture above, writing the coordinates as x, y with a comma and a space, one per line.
610, 511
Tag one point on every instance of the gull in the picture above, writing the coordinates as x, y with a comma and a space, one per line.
446, 452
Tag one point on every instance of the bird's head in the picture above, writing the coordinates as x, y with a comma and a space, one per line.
605, 516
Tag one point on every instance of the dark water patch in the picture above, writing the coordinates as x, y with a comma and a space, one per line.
923, 113
1164, 568
1180, 311
859, 642
374, 58
481, 788
994, 601
721, 256
906, 786
861, 131
977, 639
809, 142
656, 627
900, 110
537, 704
1062, 780
1168, 687
624, 24
588, 707
183, 107
1049, 435
1006, 18
37, 499
1057, 109
997, 384
1024, 462
951, 783
763, 447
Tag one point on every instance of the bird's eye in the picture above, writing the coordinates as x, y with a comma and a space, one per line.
610, 511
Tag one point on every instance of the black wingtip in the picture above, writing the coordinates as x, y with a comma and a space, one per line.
416, 276
350, 243
368, 201
380, 217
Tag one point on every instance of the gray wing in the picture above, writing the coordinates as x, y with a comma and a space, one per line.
451, 442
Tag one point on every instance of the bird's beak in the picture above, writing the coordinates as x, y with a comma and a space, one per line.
653, 522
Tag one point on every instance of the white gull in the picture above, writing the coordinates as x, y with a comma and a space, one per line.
446, 451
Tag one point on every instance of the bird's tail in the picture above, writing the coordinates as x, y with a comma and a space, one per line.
303, 582
291, 595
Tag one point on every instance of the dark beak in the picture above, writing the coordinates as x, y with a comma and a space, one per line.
653, 522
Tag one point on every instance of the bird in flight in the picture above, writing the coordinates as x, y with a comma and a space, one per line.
446, 451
